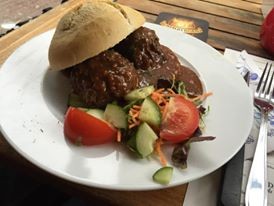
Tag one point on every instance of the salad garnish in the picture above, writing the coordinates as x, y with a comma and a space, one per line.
145, 120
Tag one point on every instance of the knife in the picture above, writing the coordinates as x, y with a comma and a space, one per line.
231, 184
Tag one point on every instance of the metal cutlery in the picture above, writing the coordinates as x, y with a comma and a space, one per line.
256, 190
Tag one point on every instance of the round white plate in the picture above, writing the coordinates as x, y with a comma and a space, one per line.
33, 102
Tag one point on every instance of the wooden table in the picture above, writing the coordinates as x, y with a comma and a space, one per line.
232, 24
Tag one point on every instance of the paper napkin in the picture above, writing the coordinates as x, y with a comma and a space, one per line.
245, 62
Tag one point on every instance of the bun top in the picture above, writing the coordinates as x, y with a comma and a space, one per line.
90, 29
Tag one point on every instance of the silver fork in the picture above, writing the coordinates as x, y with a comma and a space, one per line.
256, 189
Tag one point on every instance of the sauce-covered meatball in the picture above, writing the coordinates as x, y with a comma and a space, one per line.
142, 47
155, 61
103, 78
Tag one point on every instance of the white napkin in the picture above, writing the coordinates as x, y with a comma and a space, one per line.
245, 62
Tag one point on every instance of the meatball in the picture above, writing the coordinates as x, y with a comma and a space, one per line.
155, 61
142, 47
104, 78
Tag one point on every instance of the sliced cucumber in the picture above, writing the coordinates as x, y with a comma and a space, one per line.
163, 175
131, 139
132, 143
145, 140
150, 113
139, 93
96, 113
75, 101
116, 116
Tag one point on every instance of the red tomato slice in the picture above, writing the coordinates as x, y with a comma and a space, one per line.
181, 120
80, 127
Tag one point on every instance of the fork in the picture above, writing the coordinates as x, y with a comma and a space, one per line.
256, 189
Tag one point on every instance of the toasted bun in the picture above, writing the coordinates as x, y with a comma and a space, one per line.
89, 29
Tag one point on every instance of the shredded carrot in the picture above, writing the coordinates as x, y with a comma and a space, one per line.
159, 90
134, 120
161, 98
164, 110
134, 113
202, 96
133, 125
171, 91
160, 152
136, 107
119, 136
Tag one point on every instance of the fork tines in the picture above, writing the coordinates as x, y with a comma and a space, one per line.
265, 85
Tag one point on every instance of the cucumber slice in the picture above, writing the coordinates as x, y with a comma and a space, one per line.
131, 143
98, 113
150, 113
163, 175
75, 101
139, 93
145, 139
116, 116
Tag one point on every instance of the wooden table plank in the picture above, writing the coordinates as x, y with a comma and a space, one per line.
254, 1
243, 5
220, 40
15, 11
215, 22
216, 9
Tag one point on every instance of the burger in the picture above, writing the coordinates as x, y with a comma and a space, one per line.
106, 52
133, 88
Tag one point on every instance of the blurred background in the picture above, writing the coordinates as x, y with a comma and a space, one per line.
17, 12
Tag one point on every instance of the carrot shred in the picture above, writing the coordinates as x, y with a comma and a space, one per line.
159, 90
133, 125
136, 107
164, 110
160, 152
202, 96
161, 98
171, 91
119, 136
134, 113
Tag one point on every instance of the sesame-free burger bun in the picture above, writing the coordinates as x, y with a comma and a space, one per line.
89, 29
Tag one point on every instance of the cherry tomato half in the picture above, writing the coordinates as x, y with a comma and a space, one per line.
181, 120
82, 128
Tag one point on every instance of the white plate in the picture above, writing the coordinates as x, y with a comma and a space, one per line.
33, 101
